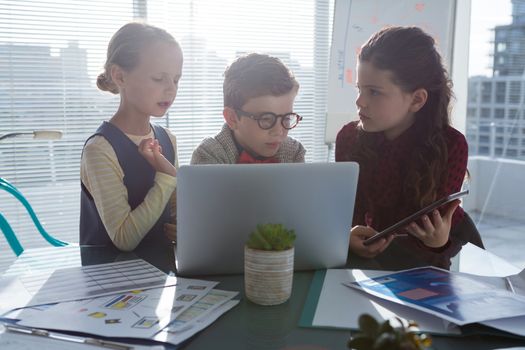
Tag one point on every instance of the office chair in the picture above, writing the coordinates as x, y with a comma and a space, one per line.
10, 236
8, 187
466, 231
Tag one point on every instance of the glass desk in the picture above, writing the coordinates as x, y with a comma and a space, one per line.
246, 326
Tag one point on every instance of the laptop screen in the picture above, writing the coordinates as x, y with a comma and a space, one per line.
218, 206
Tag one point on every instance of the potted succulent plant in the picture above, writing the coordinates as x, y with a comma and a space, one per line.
375, 336
268, 264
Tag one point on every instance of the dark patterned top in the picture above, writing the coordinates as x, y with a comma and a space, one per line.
381, 181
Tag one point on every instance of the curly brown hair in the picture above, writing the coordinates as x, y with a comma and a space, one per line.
410, 55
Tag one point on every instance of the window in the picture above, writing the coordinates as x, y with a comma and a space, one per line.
484, 128
497, 60
51, 53
500, 92
515, 46
486, 92
483, 150
512, 152
473, 87
484, 139
515, 92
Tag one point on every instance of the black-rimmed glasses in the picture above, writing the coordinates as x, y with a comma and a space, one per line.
267, 120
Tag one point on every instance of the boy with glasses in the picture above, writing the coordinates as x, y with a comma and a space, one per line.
259, 92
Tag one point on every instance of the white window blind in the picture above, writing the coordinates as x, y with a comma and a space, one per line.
52, 51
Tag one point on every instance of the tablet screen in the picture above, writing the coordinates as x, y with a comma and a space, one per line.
404, 222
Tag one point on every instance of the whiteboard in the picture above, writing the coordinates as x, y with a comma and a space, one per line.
354, 22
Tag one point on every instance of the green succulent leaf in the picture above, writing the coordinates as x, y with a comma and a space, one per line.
368, 325
271, 237
375, 336
386, 341
385, 327
361, 342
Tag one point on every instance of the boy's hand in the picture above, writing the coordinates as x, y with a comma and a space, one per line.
170, 230
359, 234
436, 229
150, 149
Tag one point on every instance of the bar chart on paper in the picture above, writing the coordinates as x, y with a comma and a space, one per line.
83, 282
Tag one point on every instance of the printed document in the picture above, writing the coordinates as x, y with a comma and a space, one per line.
458, 298
135, 314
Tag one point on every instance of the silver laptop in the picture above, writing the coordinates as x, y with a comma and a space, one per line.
218, 206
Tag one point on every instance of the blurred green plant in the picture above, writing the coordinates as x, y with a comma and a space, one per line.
375, 336
271, 237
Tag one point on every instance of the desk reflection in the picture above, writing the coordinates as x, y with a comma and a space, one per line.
246, 326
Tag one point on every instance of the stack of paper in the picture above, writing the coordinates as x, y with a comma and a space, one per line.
457, 298
117, 304
438, 300
82, 282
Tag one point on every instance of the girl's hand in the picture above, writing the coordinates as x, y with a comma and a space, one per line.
359, 234
436, 229
150, 149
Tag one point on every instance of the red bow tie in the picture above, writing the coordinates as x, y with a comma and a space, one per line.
246, 158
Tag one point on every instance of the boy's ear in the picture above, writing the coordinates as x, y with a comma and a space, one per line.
230, 117
419, 98
117, 75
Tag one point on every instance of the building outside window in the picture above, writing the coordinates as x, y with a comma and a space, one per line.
496, 141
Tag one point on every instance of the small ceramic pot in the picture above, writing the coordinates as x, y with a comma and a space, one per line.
268, 275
